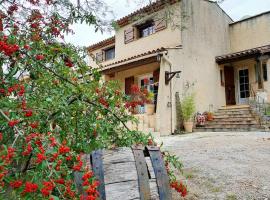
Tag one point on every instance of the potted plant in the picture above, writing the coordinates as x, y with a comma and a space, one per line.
149, 103
200, 119
210, 116
188, 110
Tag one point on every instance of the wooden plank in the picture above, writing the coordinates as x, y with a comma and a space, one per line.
87, 160
154, 189
150, 168
78, 181
118, 155
97, 165
142, 172
123, 191
120, 172
161, 174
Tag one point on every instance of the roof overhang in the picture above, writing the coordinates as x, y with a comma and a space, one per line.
134, 61
243, 55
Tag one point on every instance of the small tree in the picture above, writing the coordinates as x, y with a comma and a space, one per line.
53, 106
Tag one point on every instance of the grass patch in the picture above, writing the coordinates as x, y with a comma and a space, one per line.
231, 197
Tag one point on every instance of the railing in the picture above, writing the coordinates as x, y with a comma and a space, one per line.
259, 105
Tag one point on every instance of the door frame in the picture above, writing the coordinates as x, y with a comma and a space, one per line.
239, 99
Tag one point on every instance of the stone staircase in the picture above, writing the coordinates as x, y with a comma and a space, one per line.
232, 118
146, 123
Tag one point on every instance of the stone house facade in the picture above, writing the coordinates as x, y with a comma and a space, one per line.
227, 61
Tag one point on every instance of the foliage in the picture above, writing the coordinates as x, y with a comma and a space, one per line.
188, 107
179, 114
139, 96
53, 106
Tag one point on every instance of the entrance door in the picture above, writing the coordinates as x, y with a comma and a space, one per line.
244, 92
128, 83
229, 85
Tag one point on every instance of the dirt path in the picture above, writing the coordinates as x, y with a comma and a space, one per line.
226, 166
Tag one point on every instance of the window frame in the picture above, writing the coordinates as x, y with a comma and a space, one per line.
106, 53
148, 27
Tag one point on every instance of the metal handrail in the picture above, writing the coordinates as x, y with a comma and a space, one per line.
258, 103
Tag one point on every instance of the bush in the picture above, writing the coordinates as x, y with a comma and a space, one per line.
188, 107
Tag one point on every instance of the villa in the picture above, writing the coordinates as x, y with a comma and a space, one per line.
189, 42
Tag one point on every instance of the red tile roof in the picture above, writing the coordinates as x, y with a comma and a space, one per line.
110, 65
149, 9
101, 44
243, 54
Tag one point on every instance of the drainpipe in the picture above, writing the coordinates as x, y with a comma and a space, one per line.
165, 57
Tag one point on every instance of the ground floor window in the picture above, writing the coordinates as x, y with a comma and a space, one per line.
265, 75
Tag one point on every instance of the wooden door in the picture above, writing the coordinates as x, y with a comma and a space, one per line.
229, 85
128, 83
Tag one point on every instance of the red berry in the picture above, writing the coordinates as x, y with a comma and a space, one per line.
40, 57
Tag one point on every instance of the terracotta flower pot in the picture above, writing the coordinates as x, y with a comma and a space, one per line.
149, 109
188, 127
210, 117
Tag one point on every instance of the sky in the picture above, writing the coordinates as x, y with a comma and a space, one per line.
236, 9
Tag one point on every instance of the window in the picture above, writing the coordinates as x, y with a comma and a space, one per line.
99, 56
146, 29
110, 53
264, 68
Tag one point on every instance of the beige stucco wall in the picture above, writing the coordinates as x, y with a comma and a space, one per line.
206, 36
250, 33
169, 37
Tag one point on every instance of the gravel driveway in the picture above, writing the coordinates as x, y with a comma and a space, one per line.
226, 166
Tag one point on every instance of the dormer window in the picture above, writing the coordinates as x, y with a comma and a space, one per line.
146, 29
109, 53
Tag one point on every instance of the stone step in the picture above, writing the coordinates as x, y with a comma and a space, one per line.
233, 109
228, 129
232, 122
232, 115
233, 112
228, 119
237, 126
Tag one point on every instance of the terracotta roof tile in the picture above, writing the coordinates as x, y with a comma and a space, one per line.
249, 52
101, 44
151, 8
107, 66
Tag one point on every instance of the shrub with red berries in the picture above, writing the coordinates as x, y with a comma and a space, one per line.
53, 106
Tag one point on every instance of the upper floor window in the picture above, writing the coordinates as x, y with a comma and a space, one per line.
143, 30
146, 29
106, 54
110, 53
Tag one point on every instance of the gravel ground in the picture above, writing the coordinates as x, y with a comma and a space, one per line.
227, 166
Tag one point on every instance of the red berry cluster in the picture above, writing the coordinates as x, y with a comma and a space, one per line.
91, 191
30, 187
78, 166
179, 187
47, 189
8, 49
103, 102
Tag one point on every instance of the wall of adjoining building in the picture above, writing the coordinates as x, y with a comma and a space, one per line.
250, 33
